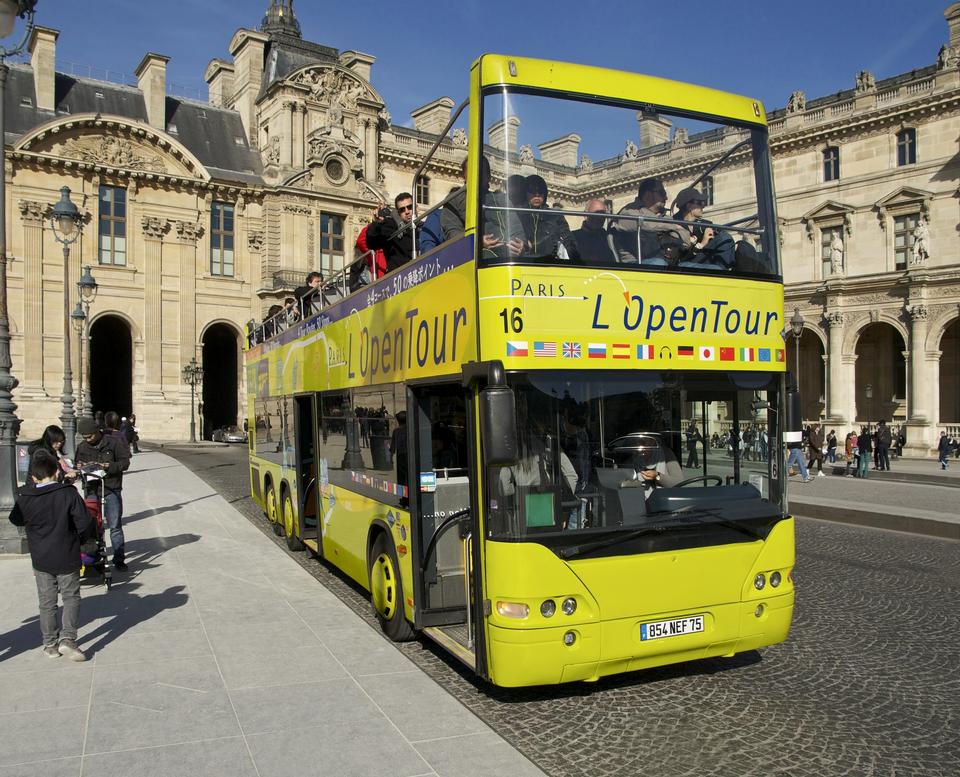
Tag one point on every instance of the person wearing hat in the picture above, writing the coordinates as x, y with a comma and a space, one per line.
702, 247
543, 229
112, 456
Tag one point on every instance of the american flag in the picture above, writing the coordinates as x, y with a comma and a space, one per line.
571, 351
544, 349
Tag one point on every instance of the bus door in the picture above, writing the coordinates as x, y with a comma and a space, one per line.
442, 521
305, 419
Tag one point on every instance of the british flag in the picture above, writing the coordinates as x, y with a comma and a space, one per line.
571, 350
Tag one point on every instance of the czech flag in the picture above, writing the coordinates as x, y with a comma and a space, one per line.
596, 350
517, 348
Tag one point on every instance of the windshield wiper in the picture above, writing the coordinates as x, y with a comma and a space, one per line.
579, 550
721, 521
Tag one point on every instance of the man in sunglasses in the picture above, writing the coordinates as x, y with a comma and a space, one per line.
384, 233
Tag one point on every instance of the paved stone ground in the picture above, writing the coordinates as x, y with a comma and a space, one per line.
867, 683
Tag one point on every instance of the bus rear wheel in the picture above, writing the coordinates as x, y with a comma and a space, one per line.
273, 510
290, 523
386, 591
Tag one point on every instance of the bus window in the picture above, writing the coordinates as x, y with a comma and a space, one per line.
553, 161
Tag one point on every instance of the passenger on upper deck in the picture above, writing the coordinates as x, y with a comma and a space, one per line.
703, 247
382, 232
517, 191
308, 295
592, 244
650, 203
543, 230
502, 232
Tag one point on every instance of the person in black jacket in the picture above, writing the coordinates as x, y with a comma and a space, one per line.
543, 229
112, 455
56, 521
382, 232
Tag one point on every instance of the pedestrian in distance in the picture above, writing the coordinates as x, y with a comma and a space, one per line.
56, 522
796, 460
110, 454
865, 446
884, 439
943, 450
832, 446
849, 452
816, 449
694, 438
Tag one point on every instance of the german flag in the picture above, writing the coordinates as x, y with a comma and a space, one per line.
684, 351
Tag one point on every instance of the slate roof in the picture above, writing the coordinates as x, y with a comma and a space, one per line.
287, 53
210, 133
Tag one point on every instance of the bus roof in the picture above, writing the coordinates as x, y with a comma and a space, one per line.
497, 69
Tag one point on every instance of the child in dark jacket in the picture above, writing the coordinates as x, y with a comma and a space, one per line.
56, 521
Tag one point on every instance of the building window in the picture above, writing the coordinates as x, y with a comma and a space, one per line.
708, 190
903, 227
906, 147
113, 225
831, 242
831, 164
331, 242
423, 190
221, 239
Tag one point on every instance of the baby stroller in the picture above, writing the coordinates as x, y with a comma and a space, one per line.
93, 551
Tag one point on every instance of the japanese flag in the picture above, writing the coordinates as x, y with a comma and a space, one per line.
707, 353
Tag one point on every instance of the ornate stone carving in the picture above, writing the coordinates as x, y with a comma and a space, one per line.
188, 231
459, 137
386, 120
631, 151
331, 84
921, 243
834, 319
680, 137
311, 240
298, 209
271, 153
872, 299
917, 312
526, 154
113, 152
255, 241
797, 102
836, 255
865, 81
32, 211
586, 164
948, 57
154, 227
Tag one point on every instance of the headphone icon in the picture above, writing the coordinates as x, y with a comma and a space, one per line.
667, 349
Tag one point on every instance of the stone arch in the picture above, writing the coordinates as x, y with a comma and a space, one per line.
938, 328
111, 363
124, 144
221, 346
880, 386
948, 344
813, 369
135, 332
860, 323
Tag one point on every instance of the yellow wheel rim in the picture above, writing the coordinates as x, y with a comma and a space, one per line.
383, 586
288, 521
271, 505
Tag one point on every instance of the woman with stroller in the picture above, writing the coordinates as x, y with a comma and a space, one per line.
52, 441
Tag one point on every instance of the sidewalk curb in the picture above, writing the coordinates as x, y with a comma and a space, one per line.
909, 524
159, 446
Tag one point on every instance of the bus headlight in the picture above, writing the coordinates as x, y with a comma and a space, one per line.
569, 606
774, 579
759, 581
513, 609
548, 608
569, 638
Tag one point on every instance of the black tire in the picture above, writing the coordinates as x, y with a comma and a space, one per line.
273, 509
289, 532
386, 590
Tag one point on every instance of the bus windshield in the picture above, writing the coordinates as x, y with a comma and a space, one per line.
594, 183
604, 452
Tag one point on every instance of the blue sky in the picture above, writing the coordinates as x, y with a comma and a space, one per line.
762, 49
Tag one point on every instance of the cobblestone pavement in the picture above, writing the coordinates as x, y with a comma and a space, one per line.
867, 683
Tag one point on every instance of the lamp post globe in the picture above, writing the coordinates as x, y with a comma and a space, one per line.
11, 540
65, 220
796, 326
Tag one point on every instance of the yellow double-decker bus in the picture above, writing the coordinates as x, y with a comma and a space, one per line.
553, 444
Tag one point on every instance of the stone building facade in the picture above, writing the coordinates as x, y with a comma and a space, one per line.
295, 147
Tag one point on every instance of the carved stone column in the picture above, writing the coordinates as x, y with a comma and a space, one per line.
919, 399
299, 134
188, 233
286, 155
840, 375
370, 150
153, 231
849, 372
32, 215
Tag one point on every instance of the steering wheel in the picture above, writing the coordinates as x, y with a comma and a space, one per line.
704, 478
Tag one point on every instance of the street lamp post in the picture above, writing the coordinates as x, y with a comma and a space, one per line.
65, 219
9, 423
87, 288
796, 326
193, 377
79, 319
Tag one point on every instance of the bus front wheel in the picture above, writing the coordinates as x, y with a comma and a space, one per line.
386, 590
273, 510
290, 523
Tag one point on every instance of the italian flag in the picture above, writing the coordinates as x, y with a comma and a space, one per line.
747, 355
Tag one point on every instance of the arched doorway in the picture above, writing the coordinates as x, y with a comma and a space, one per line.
881, 381
950, 374
812, 373
111, 365
220, 375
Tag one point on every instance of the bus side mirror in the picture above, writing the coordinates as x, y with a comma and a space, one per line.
498, 426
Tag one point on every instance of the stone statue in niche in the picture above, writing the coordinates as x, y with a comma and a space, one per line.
921, 242
836, 255
272, 152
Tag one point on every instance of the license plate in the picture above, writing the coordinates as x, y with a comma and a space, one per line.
672, 628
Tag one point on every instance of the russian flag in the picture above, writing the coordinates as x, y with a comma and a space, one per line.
644, 351
763, 354
597, 350
727, 354
517, 348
